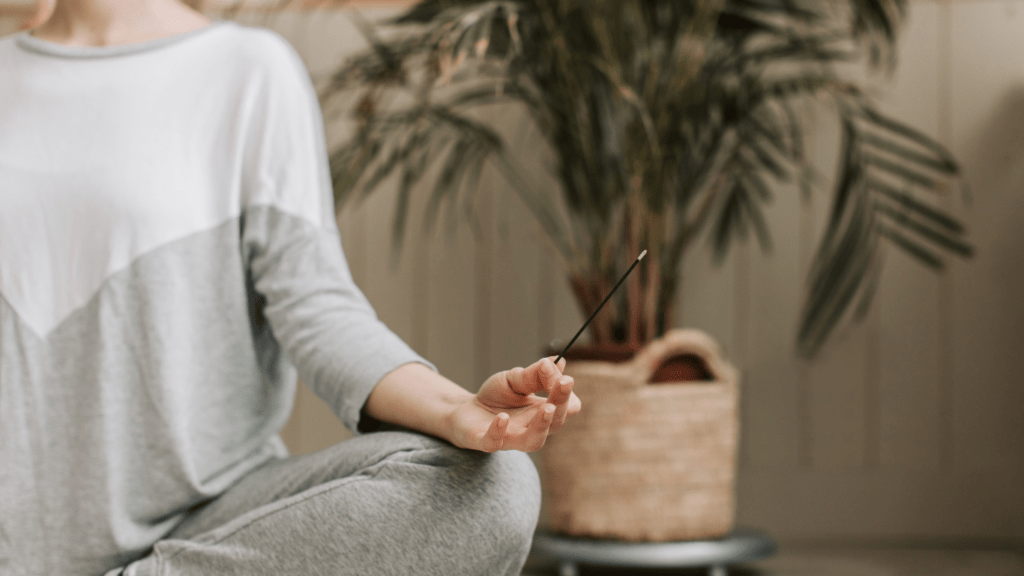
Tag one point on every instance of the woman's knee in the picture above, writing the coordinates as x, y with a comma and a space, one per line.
480, 508
516, 491
504, 510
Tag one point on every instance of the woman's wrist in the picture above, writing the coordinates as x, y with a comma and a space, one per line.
416, 397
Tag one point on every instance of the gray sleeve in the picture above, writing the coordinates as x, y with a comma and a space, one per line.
291, 245
321, 319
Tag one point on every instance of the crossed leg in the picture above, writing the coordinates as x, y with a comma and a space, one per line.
383, 503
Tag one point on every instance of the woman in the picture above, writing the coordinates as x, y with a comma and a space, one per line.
168, 253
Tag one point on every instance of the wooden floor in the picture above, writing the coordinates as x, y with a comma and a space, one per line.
843, 561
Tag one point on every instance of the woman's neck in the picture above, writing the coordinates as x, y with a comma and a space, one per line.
116, 22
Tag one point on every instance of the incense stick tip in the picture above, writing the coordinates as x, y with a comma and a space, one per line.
641, 256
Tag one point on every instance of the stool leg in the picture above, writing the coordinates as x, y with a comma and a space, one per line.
568, 568
717, 570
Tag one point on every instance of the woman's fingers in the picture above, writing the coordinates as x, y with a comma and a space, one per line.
560, 396
575, 405
541, 376
494, 439
516, 379
561, 363
545, 375
537, 377
548, 417
537, 431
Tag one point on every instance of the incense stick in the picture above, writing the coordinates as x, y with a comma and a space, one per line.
601, 305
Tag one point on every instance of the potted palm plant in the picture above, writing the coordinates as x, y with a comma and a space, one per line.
668, 121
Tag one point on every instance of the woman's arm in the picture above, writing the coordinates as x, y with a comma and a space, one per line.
301, 285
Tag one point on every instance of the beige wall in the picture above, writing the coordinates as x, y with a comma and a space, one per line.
908, 425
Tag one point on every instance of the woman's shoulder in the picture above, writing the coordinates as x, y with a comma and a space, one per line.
258, 46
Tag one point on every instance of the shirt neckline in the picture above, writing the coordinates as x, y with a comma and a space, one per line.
29, 42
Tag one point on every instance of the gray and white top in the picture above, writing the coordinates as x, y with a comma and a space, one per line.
168, 251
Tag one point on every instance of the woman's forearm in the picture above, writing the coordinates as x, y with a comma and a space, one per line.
416, 397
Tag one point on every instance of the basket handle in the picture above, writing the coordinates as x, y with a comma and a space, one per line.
682, 341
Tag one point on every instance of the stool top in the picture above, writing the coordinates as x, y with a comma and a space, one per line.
742, 545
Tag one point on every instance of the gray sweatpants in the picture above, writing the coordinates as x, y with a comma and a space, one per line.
382, 503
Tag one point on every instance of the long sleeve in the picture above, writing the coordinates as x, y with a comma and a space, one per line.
291, 245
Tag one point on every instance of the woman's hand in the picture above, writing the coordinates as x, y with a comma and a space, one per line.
507, 414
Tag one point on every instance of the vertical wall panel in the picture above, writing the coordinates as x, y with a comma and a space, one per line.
515, 259
483, 285
910, 425
943, 42
742, 255
566, 317
706, 294
771, 426
987, 118
908, 297
388, 281
838, 402
515, 276
451, 343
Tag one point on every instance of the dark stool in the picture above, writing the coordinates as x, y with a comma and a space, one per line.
743, 545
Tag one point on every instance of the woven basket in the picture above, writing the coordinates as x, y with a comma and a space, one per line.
647, 462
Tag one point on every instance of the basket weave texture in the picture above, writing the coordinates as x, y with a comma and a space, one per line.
647, 462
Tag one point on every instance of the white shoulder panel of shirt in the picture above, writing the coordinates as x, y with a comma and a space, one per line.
104, 159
